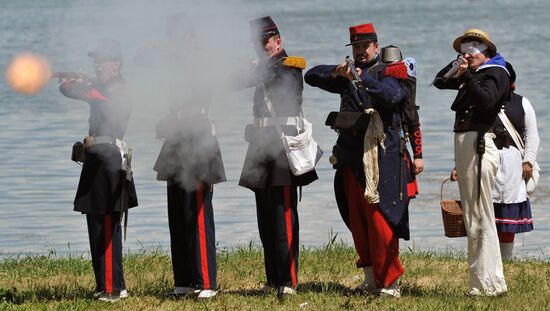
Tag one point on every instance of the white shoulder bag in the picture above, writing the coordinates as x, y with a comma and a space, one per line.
302, 151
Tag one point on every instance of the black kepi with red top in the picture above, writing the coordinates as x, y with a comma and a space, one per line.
362, 33
263, 27
107, 49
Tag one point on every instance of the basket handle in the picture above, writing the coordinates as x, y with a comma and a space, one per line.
442, 184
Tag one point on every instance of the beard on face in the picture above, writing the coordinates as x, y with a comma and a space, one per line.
361, 58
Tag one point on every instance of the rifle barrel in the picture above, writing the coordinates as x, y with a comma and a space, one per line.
66, 75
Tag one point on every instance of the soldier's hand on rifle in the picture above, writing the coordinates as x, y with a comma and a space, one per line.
254, 63
463, 66
340, 71
344, 71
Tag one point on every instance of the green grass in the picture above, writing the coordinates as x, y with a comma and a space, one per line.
433, 281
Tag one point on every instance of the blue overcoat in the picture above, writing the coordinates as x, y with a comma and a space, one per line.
387, 96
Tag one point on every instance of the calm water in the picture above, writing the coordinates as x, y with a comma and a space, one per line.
38, 181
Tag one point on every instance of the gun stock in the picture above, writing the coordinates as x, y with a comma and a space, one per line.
67, 75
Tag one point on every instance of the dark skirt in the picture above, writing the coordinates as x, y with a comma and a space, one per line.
514, 218
101, 182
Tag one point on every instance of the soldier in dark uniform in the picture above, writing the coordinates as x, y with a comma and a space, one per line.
278, 80
190, 161
370, 183
106, 189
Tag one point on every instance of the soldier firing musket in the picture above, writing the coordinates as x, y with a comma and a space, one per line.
266, 171
190, 160
368, 151
482, 83
106, 189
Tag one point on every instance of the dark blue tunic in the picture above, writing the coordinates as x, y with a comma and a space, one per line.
266, 164
387, 96
101, 180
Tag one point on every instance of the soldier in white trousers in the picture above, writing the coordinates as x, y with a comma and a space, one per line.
482, 81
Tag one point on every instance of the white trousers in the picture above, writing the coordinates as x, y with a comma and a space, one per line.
484, 259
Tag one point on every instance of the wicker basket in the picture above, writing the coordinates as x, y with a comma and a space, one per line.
453, 223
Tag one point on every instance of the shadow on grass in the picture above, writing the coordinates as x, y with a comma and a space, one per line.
11, 295
8, 295
336, 288
321, 287
310, 287
246, 292
14, 296
415, 291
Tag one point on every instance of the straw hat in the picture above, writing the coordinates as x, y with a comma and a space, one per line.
476, 34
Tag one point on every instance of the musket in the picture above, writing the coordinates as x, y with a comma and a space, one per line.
67, 75
456, 65
358, 84
71, 75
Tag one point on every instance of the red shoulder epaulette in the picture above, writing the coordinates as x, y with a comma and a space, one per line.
94, 94
397, 70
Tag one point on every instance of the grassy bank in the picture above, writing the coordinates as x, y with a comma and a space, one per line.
433, 281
